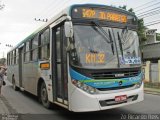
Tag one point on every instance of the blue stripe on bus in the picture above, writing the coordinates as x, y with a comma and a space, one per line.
105, 83
77, 76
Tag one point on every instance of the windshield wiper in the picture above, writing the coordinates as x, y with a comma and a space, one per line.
120, 43
102, 30
105, 35
110, 36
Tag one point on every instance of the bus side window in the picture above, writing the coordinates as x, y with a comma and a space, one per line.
8, 59
44, 45
27, 52
34, 48
17, 56
11, 57
14, 56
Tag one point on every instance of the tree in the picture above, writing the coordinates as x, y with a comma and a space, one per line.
2, 61
123, 7
141, 30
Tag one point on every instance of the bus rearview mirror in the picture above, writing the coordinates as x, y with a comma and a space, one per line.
68, 27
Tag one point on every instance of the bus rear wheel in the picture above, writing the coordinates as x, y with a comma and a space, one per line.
14, 84
44, 96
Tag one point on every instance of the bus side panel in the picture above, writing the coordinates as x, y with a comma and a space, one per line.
16, 74
30, 77
13, 70
9, 73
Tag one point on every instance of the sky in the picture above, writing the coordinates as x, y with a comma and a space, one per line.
17, 18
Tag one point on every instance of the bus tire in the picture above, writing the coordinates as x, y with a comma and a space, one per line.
44, 96
14, 84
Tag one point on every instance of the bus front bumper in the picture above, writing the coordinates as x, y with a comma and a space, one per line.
82, 102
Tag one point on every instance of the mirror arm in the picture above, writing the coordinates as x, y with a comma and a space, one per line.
70, 44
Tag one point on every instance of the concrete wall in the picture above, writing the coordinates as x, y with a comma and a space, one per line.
152, 72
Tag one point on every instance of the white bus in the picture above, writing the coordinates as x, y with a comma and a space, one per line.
86, 58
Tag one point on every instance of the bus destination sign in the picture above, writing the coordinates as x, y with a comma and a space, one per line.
101, 14
111, 16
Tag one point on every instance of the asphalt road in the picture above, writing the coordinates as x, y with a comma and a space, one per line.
26, 107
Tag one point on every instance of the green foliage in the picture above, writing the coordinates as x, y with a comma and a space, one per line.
2, 61
131, 10
158, 36
141, 30
123, 7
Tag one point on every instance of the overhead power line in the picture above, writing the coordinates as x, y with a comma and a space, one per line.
47, 8
150, 14
56, 8
29, 28
150, 10
147, 6
51, 10
153, 24
144, 4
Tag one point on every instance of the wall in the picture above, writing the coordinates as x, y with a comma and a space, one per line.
152, 72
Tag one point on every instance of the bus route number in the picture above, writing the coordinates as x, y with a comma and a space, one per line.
94, 58
88, 13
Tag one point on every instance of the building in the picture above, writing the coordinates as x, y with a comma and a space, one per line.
151, 36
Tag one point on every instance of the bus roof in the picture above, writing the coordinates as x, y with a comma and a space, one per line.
66, 12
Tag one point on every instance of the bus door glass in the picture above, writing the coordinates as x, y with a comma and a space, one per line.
20, 66
59, 66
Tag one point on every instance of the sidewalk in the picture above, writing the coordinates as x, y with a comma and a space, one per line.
3, 107
153, 91
152, 88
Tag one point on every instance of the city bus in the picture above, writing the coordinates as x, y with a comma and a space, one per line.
86, 58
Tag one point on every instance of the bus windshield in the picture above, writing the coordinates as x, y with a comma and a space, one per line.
94, 49
128, 47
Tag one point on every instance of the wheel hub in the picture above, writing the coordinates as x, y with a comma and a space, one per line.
44, 95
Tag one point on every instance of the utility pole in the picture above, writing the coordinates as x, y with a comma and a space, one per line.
3, 54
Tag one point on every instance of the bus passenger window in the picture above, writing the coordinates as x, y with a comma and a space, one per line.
34, 48
44, 45
11, 58
17, 56
27, 53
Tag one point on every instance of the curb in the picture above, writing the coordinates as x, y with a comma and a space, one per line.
151, 92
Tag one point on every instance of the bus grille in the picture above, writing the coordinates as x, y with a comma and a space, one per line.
115, 88
114, 74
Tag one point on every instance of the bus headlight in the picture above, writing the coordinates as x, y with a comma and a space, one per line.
92, 90
84, 87
79, 84
138, 85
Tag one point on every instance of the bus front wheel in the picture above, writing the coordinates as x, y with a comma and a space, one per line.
44, 96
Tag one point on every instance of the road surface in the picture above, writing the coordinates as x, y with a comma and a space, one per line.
26, 107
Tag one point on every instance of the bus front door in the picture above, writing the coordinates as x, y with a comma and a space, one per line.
20, 66
59, 66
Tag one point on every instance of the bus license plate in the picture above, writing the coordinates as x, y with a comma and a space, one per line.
121, 98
